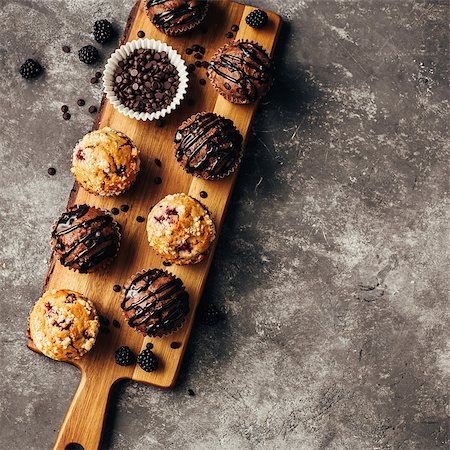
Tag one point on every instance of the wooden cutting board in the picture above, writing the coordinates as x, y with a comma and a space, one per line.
84, 420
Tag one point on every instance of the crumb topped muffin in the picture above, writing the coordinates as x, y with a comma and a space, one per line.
105, 162
63, 324
180, 229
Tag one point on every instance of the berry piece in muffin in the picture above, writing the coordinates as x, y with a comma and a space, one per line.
241, 72
85, 239
208, 146
63, 324
105, 162
175, 17
155, 302
180, 229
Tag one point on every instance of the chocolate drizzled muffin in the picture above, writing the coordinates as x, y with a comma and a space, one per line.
105, 162
175, 17
155, 302
180, 229
241, 72
208, 146
85, 239
63, 324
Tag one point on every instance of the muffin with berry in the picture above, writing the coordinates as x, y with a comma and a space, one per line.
241, 72
175, 17
180, 229
105, 162
63, 324
208, 146
154, 302
85, 239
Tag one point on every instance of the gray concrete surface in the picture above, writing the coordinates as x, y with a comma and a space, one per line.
333, 265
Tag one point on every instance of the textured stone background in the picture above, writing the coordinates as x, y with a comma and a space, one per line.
332, 267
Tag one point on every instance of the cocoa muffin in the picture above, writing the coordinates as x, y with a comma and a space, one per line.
241, 72
63, 324
155, 302
175, 17
85, 239
208, 146
180, 229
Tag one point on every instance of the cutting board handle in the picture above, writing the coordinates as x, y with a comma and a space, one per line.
84, 420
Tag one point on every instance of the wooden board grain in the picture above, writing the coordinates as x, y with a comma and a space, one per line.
84, 420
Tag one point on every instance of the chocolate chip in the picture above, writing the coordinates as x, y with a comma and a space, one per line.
198, 56
158, 162
235, 28
175, 345
167, 263
229, 35
202, 50
124, 208
189, 51
203, 194
51, 171
202, 81
117, 288
66, 116
196, 47
159, 123
205, 64
191, 68
198, 64
116, 324
66, 49
115, 211
191, 392
94, 80
81, 102
140, 219
140, 34
103, 320
157, 180
149, 345
227, 86
92, 109
64, 108
98, 74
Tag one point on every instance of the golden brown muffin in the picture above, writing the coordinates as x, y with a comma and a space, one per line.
105, 162
180, 229
63, 324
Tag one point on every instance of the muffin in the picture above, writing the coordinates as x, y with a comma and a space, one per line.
241, 72
180, 229
85, 239
105, 162
208, 146
155, 302
63, 324
175, 17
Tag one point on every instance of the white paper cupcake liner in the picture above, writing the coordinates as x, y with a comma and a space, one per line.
127, 49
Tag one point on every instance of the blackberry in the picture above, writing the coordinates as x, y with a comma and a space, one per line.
257, 19
124, 356
147, 360
30, 69
211, 315
88, 54
103, 31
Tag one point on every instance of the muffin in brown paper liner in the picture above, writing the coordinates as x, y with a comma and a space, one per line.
176, 17
85, 239
154, 302
208, 146
180, 229
241, 71
63, 324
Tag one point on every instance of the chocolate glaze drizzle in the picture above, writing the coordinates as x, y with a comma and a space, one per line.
253, 59
183, 14
97, 245
210, 143
156, 308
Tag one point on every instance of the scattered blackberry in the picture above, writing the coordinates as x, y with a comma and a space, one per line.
257, 19
124, 356
30, 69
147, 360
211, 315
88, 54
103, 31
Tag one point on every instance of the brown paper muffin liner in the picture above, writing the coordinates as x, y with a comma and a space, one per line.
128, 284
182, 30
237, 161
107, 263
230, 97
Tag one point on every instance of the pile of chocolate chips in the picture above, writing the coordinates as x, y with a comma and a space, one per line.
146, 81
